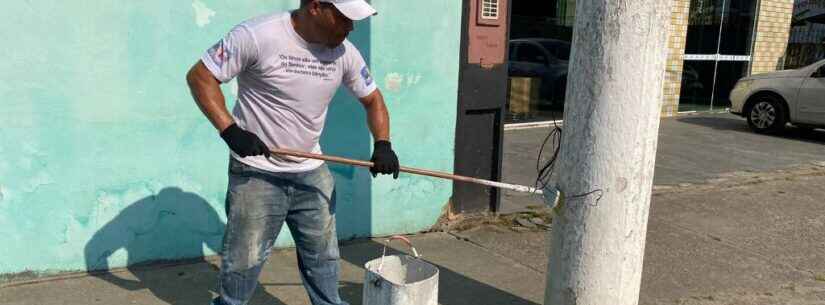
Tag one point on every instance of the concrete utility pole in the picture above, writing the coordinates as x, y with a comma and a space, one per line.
606, 162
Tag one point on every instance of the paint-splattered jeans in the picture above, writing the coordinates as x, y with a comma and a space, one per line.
258, 203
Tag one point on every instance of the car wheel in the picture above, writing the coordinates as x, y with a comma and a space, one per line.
767, 115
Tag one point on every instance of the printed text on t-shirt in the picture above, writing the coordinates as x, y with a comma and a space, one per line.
307, 66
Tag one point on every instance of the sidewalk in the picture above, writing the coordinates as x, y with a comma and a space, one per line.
736, 218
747, 240
469, 275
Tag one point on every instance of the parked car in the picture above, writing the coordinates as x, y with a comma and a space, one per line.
772, 100
542, 58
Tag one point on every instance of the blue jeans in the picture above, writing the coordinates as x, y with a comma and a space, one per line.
257, 204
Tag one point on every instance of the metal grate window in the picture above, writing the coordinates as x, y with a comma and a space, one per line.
489, 9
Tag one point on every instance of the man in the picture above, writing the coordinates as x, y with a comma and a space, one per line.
289, 66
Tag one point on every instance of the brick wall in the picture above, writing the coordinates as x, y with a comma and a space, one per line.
674, 65
771, 35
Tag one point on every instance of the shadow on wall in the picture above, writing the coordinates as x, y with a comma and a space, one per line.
175, 225
168, 226
346, 134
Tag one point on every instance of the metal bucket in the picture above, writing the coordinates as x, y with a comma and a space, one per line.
400, 279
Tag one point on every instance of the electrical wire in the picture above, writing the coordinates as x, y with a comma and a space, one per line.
545, 172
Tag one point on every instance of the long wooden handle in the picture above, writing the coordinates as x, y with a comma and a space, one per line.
423, 172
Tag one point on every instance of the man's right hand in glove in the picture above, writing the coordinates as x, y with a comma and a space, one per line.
244, 143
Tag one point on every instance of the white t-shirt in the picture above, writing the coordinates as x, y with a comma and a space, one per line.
285, 85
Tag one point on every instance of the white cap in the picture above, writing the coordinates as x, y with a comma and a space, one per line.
353, 9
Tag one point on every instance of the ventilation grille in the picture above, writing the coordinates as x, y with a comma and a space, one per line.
489, 9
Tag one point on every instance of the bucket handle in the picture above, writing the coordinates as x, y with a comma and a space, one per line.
387, 243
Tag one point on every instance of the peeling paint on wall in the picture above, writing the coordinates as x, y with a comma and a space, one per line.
413, 79
425, 137
393, 82
203, 14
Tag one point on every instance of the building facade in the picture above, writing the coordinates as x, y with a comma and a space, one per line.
105, 160
712, 44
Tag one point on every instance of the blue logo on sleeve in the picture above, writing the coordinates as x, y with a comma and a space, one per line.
365, 74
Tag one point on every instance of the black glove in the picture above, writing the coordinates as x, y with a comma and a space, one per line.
244, 143
384, 160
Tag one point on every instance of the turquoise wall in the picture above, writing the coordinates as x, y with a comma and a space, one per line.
106, 161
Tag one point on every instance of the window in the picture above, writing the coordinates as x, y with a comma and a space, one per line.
541, 32
703, 26
737, 28
489, 9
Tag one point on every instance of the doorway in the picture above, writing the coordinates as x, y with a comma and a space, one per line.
717, 53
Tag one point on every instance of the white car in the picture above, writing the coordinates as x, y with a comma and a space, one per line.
772, 100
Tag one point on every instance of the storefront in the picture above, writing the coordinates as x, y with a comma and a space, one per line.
713, 44
717, 52
539, 50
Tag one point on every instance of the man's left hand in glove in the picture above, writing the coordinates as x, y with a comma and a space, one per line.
384, 160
